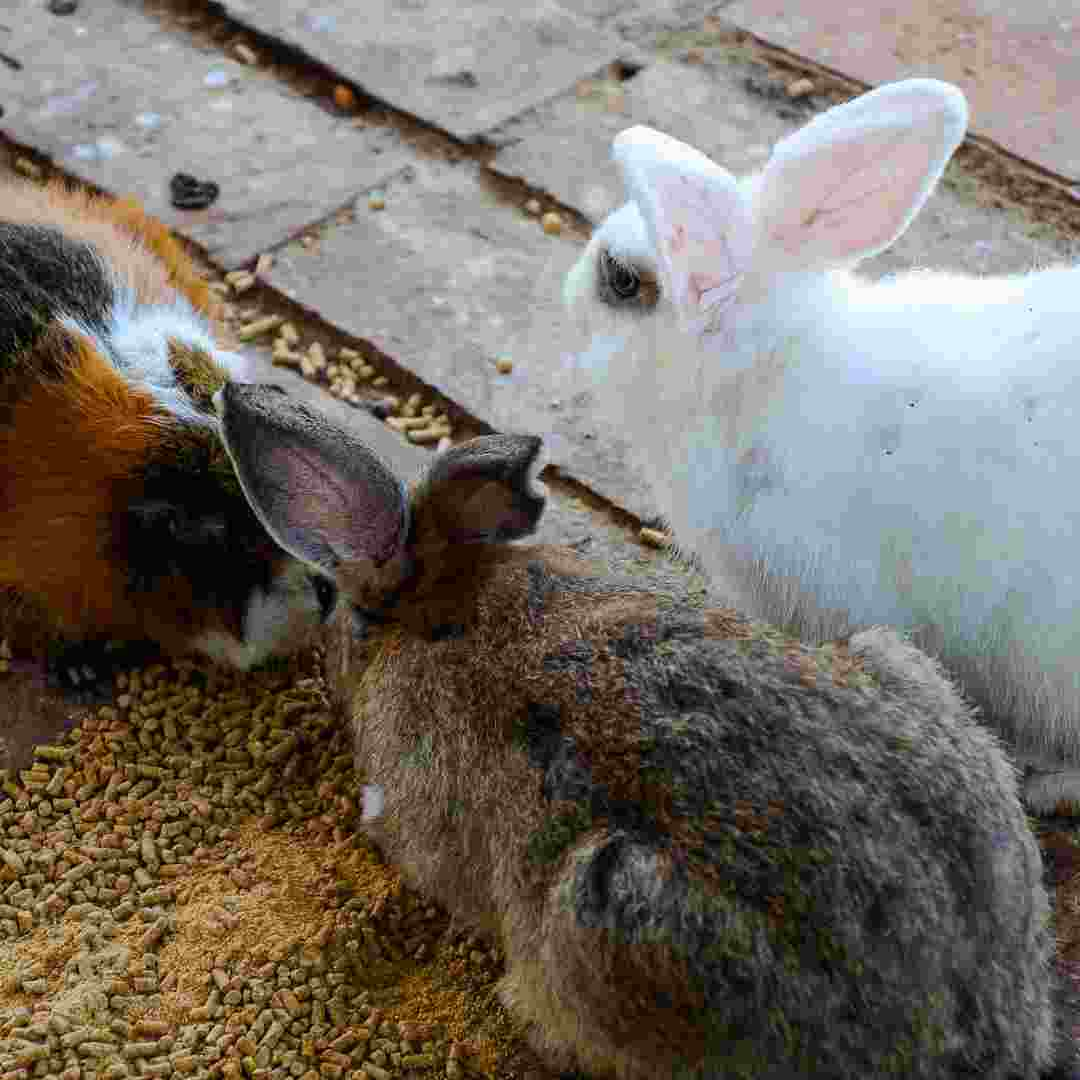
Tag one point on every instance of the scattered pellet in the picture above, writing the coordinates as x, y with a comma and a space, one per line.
552, 223
426, 435
408, 423
266, 325
654, 537
344, 98
28, 168
240, 280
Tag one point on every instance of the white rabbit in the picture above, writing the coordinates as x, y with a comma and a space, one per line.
841, 453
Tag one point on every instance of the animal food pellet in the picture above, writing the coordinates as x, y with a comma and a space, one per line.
265, 325
552, 223
504, 365
344, 98
407, 423
376, 201
533, 207
240, 280
800, 88
426, 435
654, 537
28, 168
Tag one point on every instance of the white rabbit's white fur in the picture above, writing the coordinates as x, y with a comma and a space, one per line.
841, 453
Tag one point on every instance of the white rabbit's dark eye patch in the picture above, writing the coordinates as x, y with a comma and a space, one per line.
621, 284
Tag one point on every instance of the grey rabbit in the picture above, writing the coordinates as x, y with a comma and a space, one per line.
705, 849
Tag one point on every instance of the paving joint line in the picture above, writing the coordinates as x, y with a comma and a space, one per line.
317, 82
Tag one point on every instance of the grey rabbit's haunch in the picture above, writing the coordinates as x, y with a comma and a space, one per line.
705, 849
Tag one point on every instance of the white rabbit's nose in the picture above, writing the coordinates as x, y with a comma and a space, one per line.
373, 801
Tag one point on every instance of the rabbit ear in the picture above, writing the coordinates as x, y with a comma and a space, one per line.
318, 490
486, 489
698, 221
849, 183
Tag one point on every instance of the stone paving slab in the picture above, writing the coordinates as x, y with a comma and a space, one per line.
565, 146
729, 112
462, 67
1019, 64
445, 280
128, 116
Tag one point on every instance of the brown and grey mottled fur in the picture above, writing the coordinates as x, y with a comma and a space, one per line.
706, 849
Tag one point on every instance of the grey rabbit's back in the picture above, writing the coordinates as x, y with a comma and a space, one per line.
819, 847
705, 849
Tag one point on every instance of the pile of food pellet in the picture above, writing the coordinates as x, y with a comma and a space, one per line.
185, 890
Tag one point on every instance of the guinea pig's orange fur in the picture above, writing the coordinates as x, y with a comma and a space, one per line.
98, 429
77, 435
149, 258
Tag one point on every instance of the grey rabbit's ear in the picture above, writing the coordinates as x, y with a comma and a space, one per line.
321, 493
486, 489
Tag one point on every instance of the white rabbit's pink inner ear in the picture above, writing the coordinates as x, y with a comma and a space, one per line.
704, 241
848, 184
698, 221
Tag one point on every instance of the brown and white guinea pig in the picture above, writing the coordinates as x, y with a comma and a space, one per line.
120, 516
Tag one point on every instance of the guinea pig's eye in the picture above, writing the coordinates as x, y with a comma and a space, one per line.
325, 595
621, 278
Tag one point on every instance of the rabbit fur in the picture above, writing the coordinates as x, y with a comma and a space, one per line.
705, 849
841, 453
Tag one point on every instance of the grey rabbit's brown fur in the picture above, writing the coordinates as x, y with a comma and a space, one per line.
706, 849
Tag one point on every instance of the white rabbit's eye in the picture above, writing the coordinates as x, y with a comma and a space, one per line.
624, 280
620, 283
